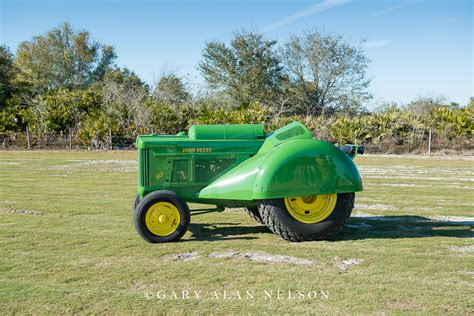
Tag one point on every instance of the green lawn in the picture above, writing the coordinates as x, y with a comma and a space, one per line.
68, 245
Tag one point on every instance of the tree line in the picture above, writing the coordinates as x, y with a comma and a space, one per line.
65, 83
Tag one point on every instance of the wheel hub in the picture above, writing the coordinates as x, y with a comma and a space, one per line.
311, 209
162, 218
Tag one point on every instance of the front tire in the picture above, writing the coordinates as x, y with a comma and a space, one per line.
162, 216
291, 221
136, 201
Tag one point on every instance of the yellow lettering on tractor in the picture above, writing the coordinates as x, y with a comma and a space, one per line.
196, 150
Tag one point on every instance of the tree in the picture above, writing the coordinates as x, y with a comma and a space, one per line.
387, 107
58, 110
425, 105
62, 58
171, 90
104, 64
6, 74
125, 99
470, 104
247, 70
326, 73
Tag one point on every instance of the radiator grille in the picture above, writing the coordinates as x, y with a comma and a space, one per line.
145, 167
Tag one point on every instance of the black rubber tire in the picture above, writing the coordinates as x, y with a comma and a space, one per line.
280, 222
136, 201
147, 202
254, 214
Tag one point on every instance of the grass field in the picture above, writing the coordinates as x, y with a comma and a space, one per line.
68, 245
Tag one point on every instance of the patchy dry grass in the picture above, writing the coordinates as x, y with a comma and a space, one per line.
68, 245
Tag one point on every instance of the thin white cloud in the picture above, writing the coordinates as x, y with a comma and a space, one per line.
316, 8
376, 44
390, 9
447, 20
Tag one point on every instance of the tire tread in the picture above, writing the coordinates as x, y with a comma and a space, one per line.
267, 212
254, 214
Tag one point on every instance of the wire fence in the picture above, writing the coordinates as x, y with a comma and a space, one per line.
69, 140
425, 143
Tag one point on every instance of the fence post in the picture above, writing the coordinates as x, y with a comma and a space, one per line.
110, 138
70, 138
429, 144
28, 138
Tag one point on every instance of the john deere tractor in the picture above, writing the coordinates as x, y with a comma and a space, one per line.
301, 188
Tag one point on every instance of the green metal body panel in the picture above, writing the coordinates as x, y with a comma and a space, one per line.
291, 131
235, 165
243, 131
289, 163
186, 164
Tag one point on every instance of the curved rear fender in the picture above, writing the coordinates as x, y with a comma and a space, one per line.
305, 167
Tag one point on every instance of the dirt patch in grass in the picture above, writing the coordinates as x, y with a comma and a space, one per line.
410, 185
461, 220
229, 254
28, 212
413, 185
419, 177
343, 264
462, 249
434, 156
375, 206
467, 272
379, 217
261, 257
464, 220
103, 165
185, 256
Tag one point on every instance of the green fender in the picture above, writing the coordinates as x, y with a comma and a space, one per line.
295, 167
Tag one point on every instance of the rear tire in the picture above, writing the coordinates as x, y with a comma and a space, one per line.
276, 216
162, 216
254, 214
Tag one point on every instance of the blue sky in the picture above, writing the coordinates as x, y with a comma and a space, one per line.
417, 48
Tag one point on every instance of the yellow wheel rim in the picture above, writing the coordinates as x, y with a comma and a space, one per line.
311, 209
162, 218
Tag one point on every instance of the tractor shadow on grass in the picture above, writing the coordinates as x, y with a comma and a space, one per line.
356, 228
393, 227
221, 231
224, 231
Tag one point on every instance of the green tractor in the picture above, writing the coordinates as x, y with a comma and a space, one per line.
301, 188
